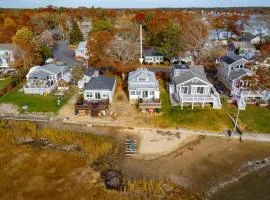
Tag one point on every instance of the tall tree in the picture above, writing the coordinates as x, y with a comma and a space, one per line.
124, 51
76, 35
97, 44
102, 25
7, 30
172, 41
26, 47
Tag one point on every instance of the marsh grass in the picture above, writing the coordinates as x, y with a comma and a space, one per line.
157, 189
42, 173
94, 146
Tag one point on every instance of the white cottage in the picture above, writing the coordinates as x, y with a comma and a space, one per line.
189, 86
86, 77
143, 87
152, 56
6, 56
81, 51
99, 87
142, 84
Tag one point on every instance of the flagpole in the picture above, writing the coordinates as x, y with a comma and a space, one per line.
141, 51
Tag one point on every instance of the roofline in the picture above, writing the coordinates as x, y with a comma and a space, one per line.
240, 76
197, 78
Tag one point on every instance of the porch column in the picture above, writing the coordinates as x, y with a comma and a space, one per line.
203, 102
182, 104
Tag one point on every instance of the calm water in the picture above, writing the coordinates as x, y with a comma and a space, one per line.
251, 187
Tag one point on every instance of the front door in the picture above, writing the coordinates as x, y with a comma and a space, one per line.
97, 95
145, 94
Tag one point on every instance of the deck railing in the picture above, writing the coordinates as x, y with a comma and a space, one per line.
149, 103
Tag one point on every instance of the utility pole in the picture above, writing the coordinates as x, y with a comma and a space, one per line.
141, 51
235, 124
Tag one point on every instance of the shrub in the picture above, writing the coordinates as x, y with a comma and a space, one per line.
113, 179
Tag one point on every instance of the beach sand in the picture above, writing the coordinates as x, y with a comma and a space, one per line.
199, 164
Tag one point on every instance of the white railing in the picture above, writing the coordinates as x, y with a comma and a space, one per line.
39, 90
199, 99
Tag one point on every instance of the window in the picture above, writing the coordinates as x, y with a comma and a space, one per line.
142, 79
132, 92
184, 90
241, 66
152, 93
237, 67
231, 68
105, 95
199, 90
89, 95
138, 93
97, 95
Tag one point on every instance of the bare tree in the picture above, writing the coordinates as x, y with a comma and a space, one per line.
261, 25
195, 35
124, 50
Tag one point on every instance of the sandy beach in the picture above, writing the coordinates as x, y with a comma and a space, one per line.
200, 164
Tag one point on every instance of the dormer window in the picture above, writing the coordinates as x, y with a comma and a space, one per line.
141, 79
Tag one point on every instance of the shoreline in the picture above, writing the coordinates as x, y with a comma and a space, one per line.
195, 162
258, 137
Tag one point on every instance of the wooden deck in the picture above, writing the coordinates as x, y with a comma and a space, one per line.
92, 108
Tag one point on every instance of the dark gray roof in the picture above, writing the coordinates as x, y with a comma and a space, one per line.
151, 52
100, 83
237, 74
53, 68
7, 47
188, 76
230, 58
181, 66
248, 36
89, 72
40, 74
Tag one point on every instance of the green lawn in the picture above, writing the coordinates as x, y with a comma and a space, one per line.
4, 83
35, 103
253, 119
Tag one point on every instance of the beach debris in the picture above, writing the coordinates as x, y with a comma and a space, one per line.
131, 146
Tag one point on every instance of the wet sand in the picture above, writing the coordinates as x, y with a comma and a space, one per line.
199, 165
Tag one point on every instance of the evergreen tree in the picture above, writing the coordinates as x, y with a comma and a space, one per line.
76, 35
172, 41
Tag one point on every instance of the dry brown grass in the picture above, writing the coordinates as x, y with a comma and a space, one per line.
37, 172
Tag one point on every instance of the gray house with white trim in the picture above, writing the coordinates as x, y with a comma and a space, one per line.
189, 86
231, 72
152, 56
142, 84
230, 69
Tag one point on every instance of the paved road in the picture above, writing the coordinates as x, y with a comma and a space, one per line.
62, 53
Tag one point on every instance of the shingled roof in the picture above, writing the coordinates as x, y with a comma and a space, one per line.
100, 83
230, 58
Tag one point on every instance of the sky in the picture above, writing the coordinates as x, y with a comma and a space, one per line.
132, 3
